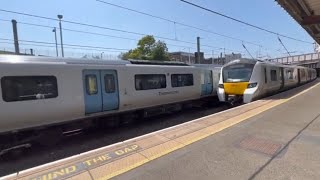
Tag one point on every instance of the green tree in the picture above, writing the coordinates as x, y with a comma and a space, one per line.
160, 51
145, 47
148, 49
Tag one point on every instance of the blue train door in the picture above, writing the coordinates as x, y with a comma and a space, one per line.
207, 86
110, 92
100, 90
92, 91
209, 82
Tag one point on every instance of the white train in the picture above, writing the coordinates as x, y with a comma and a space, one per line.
38, 93
250, 79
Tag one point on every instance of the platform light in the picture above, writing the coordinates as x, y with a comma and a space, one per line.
61, 39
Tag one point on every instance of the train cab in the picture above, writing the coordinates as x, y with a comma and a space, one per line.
236, 81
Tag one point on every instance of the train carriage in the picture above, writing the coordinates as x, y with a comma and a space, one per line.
248, 80
38, 93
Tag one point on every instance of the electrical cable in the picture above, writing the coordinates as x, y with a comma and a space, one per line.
175, 22
243, 22
106, 28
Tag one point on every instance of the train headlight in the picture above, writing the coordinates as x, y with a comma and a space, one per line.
252, 85
221, 86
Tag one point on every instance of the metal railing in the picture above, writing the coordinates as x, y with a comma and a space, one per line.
298, 59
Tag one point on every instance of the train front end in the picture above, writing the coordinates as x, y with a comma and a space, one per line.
236, 83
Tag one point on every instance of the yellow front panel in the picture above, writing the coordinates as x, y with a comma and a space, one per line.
235, 88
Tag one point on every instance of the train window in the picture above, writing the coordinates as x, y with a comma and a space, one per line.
110, 85
91, 84
302, 74
237, 72
273, 75
23, 88
290, 74
150, 81
180, 80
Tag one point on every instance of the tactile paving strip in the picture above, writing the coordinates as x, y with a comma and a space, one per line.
264, 146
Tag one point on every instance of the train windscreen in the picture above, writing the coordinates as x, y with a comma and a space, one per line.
237, 73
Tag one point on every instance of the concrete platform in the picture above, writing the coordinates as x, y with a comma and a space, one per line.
274, 138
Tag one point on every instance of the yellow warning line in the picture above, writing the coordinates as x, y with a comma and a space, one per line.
125, 169
203, 133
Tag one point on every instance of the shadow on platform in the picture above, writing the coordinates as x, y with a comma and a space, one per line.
292, 92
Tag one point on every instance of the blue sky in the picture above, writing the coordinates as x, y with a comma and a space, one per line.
264, 13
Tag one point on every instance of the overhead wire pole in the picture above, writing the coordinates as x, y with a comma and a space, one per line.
284, 46
243, 22
189, 56
247, 50
56, 41
259, 52
175, 32
212, 57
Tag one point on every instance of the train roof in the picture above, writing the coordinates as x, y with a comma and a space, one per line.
56, 60
254, 61
242, 60
155, 62
80, 61
207, 65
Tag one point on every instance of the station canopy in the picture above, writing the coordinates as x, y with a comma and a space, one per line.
306, 13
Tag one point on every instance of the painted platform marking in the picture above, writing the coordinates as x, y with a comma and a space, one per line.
71, 170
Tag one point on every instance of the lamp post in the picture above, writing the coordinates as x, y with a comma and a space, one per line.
189, 57
55, 37
60, 17
212, 57
101, 54
198, 51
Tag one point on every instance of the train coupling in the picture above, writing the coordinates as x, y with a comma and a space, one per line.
234, 99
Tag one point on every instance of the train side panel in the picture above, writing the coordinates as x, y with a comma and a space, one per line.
67, 105
136, 97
